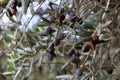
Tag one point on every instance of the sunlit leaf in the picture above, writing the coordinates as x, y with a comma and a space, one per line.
13, 56
67, 76
43, 24
9, 73
41, 29
11, 66
65, 65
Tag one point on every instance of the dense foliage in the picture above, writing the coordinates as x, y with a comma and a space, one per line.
60, 40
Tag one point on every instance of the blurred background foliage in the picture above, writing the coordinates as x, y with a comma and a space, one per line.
59, 39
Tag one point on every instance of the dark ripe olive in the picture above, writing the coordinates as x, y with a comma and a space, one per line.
52, 19
56, 42
51, 48
48, 30
95, 40
62, 10
86, 47
62, 17
40, 68
19, 4
79, 72
77, 54
75, 59
60, 36
110, 71
50, 56
71, 52
51, 45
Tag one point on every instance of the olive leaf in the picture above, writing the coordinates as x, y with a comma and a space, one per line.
11, 66
45, 20
102, 41
25, 4
42, 34
9, 73
11, 19
31, 9
43, 23
67, 76
86, 33
89, 24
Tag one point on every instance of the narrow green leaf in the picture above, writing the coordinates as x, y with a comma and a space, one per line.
13, 56
87, 33
11, 19
43, 24
77, 47
11, 66
31, 9
87, 76
8, 73
67, 76
45, 20
25, 4
7, 38
40, 29
42, 34
78, 26
89, 24
103, 32
102, 41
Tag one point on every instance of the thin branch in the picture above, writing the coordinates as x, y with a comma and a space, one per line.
31, 66
108, 2
28, 24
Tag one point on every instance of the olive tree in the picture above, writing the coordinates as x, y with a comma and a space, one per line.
60, 40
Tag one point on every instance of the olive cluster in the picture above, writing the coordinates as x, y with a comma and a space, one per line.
74, 55
86, 46
51, 49
94, 40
